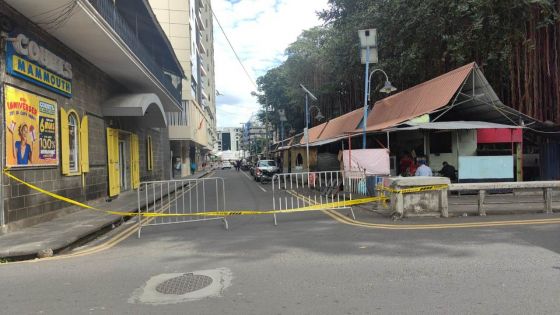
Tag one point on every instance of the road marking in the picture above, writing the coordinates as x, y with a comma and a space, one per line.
247, 175
345, 220
252, 179
110, 243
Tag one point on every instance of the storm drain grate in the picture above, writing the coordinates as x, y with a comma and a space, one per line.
183, 284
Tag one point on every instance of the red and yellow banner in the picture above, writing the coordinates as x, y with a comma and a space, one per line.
31, 129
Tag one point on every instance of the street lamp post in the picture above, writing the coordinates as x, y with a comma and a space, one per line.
387, 88
307, 95
368, 43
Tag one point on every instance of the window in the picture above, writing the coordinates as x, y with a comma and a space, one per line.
149, 153
74, 154
73, 130
265, 163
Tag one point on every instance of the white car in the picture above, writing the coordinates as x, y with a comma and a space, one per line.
226, 164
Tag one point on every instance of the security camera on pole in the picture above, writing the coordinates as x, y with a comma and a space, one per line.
368, 44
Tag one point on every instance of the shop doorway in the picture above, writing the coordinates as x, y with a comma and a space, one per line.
123, 157
123, 165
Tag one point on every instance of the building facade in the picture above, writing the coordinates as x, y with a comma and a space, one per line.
86, 98
229, 139
254, 139
189, 26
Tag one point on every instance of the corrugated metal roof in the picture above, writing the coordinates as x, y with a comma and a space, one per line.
418, 100
314, 133
341, 125
326, 141
454, 125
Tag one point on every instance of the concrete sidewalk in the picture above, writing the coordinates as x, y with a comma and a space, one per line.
65, 230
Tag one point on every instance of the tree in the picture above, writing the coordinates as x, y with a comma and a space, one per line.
516, 42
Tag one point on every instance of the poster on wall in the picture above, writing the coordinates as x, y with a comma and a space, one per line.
31, 129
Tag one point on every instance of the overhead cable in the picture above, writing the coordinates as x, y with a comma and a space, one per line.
233, 49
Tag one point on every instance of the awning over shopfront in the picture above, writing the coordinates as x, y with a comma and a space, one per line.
463, 94
459, 99
326, 141
453, 125
342, 125
145, 105
314, 133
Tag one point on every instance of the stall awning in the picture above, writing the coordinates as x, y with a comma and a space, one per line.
341, 125
453, 125
145, 105
461, 94
314, 133
323, 142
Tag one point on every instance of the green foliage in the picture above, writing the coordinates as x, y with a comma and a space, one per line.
418, 40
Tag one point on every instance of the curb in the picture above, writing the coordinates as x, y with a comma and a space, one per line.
75, 240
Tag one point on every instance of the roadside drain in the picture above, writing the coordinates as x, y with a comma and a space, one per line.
174, 288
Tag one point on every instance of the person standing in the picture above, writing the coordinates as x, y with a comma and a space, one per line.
423, 169
448, 171
193, 167
406, 165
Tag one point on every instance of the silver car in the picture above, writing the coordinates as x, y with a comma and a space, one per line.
265, 168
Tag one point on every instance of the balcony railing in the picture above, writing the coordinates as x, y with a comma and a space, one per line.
107, 9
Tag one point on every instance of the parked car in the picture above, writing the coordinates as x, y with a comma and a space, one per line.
246, 166
226, 165
265, 168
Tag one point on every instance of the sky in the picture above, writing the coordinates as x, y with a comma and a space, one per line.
260, 31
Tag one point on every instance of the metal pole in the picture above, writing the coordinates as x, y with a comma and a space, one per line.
365, 98
281, 130
266, 127
307, 129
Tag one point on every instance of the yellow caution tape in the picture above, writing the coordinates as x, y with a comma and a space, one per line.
331, 205
413, 189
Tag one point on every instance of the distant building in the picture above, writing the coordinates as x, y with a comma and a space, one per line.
253, 140
229, 139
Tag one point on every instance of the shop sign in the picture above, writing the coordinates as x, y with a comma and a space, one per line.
32, 62
31, 129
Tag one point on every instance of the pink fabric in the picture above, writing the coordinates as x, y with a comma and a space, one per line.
373, 161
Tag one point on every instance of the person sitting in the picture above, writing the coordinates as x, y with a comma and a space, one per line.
448, 171
423, 169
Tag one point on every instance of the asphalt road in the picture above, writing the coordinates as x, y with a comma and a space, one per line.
308, 264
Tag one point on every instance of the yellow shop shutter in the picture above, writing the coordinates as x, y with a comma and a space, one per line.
135, 160
84, 144
64, 142
113, 161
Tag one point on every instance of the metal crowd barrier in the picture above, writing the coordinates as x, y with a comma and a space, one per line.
181, 200
296, 190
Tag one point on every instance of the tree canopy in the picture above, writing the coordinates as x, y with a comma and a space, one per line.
515, 42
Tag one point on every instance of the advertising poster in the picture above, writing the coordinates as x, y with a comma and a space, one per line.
31, 129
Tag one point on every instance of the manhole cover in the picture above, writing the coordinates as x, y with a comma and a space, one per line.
184, 284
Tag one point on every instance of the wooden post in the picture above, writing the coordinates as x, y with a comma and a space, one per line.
481, 197
519, 161
547, 192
